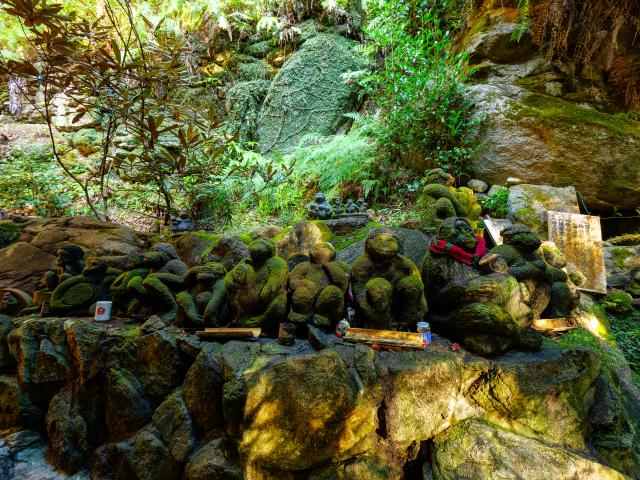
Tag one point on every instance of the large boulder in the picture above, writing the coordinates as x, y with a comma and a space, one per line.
303, 412
528, 204
498, 44
546, 140
309, 94
202, 391
213, 460
473, 449
546, 394
127, 406
23, 264
419, 392
175, 427
67, 431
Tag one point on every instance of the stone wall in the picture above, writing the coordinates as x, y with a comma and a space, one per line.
151, 402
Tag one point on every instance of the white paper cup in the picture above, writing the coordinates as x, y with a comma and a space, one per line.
103, 311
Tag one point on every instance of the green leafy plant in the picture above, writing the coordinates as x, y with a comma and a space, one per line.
30, 181
418, 84
496, 204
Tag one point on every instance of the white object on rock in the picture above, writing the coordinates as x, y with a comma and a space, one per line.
103, 311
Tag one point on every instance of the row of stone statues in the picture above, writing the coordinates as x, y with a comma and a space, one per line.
486, 300
320, 208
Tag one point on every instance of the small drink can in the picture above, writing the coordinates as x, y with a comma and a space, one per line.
103, 311
341, 329
425, 329
287, 333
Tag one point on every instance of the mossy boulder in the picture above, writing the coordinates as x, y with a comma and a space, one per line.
309, 95
546, 140
260, 49
414, 411
243, 102
546, 394
289, 406
465, 452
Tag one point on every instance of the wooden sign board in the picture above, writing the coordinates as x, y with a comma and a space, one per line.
384, 337
229, 332
495, 226
579, 237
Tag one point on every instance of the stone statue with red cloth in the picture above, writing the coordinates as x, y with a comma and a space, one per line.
471, 298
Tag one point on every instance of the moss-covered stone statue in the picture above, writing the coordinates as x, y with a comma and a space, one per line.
150, 284
564, 297
78, 295
70, 262
388, 291
317, 288
203, 302
520, 250
256, 288
319, 208
471, 298
13, 301
229, 250
440, 200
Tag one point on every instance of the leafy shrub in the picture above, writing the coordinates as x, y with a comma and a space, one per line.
31, 179
343, 159
497, 204
626, 332
419, 83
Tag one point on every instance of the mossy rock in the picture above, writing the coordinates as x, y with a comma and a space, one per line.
309, 95
549, 141
256, 70
86, 141
243, 102
619, 304
260, 49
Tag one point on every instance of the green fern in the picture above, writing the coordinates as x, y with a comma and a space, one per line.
340, 160
524, 20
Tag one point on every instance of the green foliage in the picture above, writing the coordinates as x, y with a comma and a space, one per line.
619, 304
344, 159
419, 85
497, 203
30, 180
524, 21
579, 338
626, 331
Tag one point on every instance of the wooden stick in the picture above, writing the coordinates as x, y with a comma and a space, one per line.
230, 332
384, 337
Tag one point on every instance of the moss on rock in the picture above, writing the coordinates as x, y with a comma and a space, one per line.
243, 102
309, 95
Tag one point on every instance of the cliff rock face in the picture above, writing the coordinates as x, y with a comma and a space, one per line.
552, 98
121, 403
